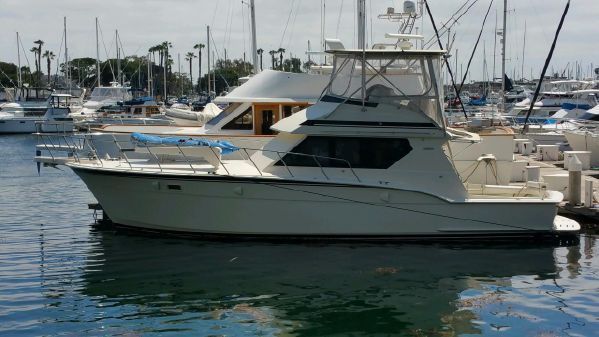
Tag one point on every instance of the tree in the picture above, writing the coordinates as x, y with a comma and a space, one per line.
199, 47
227, 73
11, 70
82, 70
189, 57
167, 62
260, 51
154, 50
272, 58
292, 65
39, 43
281, 51
49, 57
308, 64
35, 51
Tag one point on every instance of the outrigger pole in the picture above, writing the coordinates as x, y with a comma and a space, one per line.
547, 61
455, 88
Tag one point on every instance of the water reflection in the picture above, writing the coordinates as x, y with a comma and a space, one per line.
314, 290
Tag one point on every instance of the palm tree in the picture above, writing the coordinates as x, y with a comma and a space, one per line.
199, 47
34, 50
189, 57
165, 47
49, 56
272, 57
39, 43
281, 51
260, 51
164, 55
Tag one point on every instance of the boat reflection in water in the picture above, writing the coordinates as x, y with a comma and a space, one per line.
250, 288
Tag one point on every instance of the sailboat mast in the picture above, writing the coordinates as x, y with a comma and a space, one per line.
20, 79
503, 40
361, 23
254, 43
179, 66
495, 49
484, 68
149, 77
66, 55
118, 58
165, 73
361, 44
523, 49
208, 48
99, 79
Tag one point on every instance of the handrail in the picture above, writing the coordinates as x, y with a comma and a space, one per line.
184, 156
89, 147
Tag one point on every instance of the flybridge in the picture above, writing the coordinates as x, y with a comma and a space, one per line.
386, 52
407, 79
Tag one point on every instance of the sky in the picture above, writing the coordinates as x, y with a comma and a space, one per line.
290, 24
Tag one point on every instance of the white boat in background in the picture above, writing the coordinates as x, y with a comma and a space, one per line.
56, 118
363, 162
142, 114
583, 101
551, 101
185, 116
516, 95
251, 109
103, 96
30, 101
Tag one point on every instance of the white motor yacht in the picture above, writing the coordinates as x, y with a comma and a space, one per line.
29, 101
55, 119
368, 160
103, 96
550, 101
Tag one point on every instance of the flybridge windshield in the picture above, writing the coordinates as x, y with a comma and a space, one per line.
411, 81
100, 93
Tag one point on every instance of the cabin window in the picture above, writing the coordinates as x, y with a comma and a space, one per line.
368, 153
243, 122
289, 110
137, 110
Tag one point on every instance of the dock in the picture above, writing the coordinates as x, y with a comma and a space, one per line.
588, 209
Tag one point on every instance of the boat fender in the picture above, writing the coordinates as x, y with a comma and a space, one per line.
156, 185
238, 190
385, 196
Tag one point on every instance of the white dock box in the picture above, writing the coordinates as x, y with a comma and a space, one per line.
548, 152
583, 156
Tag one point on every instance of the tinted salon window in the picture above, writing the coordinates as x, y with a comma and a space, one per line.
379, 153
243, 122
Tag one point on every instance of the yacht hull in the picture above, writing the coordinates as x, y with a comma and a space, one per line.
18, 125
30, 125
224, 205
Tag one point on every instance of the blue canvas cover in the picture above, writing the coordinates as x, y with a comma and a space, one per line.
225, 146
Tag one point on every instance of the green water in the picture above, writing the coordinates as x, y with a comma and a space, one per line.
62, 276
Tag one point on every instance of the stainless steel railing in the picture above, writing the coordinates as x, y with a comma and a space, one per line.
80, 147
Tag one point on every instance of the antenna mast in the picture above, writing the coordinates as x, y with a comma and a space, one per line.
20, 79
254, 44
503, 38
99, 80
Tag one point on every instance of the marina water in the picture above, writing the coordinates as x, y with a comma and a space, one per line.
61, 275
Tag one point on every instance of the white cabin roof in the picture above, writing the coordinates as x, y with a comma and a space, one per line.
270, 86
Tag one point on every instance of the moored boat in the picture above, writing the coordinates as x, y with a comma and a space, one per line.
365, 161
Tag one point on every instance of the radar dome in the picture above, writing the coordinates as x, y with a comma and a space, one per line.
409, 7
